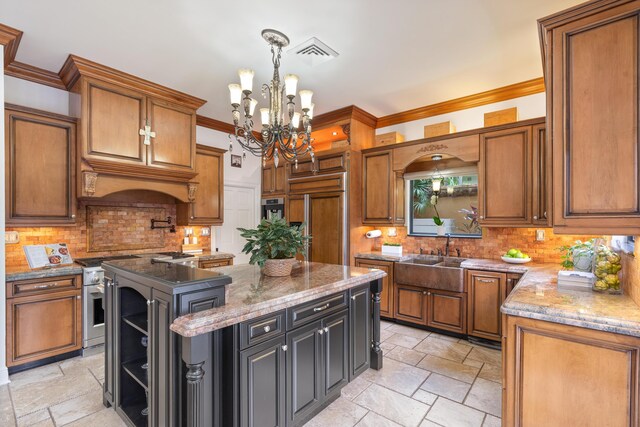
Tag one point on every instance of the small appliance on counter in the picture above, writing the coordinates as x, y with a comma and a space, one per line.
272, 208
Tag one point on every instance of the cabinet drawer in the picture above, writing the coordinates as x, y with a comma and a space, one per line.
261, 329
333, 182
39, 286
313, 310
215, 263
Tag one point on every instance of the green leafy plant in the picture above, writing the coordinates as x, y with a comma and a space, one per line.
273, 239
391, 244
567, 251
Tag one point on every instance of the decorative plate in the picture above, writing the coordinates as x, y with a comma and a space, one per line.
515, 260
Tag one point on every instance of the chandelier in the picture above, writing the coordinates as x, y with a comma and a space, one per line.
280, 137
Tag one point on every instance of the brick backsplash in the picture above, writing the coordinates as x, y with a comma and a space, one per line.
494, 243
119, 236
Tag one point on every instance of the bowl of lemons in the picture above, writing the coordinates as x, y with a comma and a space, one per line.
516, 256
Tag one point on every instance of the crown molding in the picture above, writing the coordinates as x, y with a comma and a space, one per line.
344, 114
219, 125
10, 39
34, 74
504, 93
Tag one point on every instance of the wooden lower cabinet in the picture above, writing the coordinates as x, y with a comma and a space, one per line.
213, 263
360, 334
563, 375
487, 291
386, 296
410, 304
447, 310
46, 321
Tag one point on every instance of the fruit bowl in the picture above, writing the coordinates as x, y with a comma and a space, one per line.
515, 260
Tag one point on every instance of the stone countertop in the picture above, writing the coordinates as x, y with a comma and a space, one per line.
24, 272
208, 255
379, 256
252, 295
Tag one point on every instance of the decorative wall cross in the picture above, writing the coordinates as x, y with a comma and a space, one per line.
146, 132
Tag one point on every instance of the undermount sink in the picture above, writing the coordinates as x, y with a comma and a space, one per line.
432, 272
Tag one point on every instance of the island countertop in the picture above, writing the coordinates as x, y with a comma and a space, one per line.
252, 294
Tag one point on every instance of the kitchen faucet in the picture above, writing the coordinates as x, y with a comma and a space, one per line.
446, 248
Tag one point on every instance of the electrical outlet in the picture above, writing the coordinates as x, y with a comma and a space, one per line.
206, 231
11, 237
540, 235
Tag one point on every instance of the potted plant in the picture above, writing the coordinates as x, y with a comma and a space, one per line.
392, 248
436, 218
273, 245
578, 256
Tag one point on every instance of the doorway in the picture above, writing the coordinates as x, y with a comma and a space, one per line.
241, 203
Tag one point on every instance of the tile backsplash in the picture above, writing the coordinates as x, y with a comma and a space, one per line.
494, 243
107, 228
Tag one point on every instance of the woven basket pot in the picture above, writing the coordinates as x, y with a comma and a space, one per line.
278, 267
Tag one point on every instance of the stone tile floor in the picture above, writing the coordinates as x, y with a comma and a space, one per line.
427, 380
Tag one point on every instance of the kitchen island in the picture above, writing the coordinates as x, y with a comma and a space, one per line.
267, 351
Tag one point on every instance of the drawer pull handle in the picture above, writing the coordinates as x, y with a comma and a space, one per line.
320, 331
324, 307
267, 328
46, 286
284, 348
486, 280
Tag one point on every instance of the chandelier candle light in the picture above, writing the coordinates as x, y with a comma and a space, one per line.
279, 139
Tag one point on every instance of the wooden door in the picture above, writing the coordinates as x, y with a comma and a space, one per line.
42, 326
378, 186
541, 177
304, 371
335, 351
360, 330
486, 291
40, 158
326, 227
174, 146
592, 75
559, 375
410, 304
280, 178
386, 296
504, 178
208, 208
114, 117
268, 180
295, 209
447, 310
262, 384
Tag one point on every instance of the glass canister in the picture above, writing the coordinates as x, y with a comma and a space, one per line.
606, 267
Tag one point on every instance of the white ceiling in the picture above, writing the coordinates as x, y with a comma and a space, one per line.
394, 55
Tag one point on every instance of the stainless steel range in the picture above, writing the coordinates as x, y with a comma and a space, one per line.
92, 306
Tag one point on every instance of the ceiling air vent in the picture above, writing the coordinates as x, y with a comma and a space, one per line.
314, 52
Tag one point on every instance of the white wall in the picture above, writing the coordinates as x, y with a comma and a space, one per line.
529, 107
4, 373
34, 95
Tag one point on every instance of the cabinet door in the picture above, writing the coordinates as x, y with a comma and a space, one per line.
504, 177
174, 146
40, 168
114, 117
360, 324
42, 326
336, 352
447, 310
386, 296
487, 290
280, 178
262, 384
268, 180
410, 304
109, 341
215, 263
593, 113
512, 281
295, 209
161, 349
208, 208
541, 185
326, 227
378, 186
304, 371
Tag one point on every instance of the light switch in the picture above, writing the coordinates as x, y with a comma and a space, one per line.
540, 235
11, 237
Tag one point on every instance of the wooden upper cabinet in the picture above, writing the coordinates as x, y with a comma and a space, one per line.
274, 179
592, 72
383, 190
174, 145
208, 207
113, 117
504, 178
541, 175
39, 167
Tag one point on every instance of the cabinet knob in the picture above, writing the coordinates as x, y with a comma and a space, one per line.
73, 216
284, 348
191, 217
545, 214
326, 330
535, 217
428, 293
353, 297
320, 331
79, 297
267, 328
389, 218
424, 292
481, 217
150, 302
